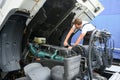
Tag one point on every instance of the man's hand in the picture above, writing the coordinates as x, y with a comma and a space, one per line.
65, 43
70, 47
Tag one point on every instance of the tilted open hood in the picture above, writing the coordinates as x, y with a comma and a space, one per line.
55, 17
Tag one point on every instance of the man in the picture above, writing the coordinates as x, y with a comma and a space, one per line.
86, 30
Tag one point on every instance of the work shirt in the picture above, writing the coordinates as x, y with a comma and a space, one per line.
85, 27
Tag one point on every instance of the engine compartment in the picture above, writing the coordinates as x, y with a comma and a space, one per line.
81, 62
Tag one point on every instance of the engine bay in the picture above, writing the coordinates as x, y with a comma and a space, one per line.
83, 62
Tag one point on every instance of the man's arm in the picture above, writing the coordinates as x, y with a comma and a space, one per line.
79, 39
68, 36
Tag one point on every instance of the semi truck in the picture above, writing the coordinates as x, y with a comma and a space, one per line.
22, 20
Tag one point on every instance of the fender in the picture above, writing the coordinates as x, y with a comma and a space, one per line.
9, 7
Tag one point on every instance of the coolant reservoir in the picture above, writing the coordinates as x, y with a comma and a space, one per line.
40, 40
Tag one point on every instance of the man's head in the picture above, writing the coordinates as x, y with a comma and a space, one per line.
78, 23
